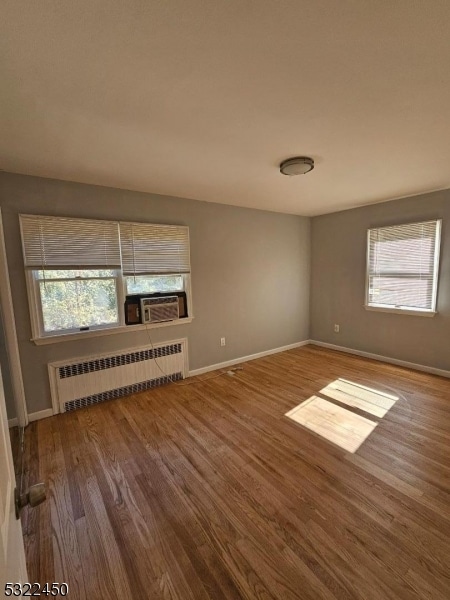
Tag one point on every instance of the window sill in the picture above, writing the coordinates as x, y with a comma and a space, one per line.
67, 337
402, 311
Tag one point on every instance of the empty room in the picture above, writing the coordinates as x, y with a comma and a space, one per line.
225, 300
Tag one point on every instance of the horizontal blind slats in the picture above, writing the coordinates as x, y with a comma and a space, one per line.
59, 242
154, 249
140, 248
402, 265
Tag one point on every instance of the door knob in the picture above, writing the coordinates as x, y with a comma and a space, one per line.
34, 496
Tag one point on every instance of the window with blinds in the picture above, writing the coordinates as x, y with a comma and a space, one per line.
154, 249
79, 270
403, 266
63, 243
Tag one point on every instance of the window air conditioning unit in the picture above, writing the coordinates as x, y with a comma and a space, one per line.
157, 310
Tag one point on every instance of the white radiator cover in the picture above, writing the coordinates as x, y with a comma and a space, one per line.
89, 380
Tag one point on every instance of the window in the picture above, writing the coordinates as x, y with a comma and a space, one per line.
77, 300
402, 267
79, 270
154, 249
149, 284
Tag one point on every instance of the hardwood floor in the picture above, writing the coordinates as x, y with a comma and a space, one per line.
210, 491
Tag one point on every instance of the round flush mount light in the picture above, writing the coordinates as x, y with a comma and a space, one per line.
298, 165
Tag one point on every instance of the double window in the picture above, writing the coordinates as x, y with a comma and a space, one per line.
80, 270
402, 267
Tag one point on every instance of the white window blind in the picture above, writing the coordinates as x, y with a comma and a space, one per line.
154, 249
403, 266
64, 243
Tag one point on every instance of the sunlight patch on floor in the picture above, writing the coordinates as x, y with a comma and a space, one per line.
338, 424
359, 396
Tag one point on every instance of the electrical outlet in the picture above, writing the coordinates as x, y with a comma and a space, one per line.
336, 329
222, 341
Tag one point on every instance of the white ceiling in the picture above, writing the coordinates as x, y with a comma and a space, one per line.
203, 99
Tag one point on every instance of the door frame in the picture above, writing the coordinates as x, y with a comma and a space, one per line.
13, 567
12, 345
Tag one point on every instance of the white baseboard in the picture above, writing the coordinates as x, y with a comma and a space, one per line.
41, 414
235, 361
386, 359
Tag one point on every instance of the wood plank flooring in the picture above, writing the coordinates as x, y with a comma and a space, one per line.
209, 491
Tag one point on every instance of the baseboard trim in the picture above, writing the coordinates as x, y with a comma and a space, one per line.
41, 414
235, 361
386, 359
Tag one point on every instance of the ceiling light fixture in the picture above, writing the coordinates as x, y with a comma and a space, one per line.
298, 165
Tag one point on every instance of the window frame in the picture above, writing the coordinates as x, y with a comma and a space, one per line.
186, 288
34, 281
400, 309
127, 277
40, 336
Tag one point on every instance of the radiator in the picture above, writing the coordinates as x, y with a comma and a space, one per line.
89, 380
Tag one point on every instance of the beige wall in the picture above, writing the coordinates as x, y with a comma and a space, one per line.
338, 269
250, 274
